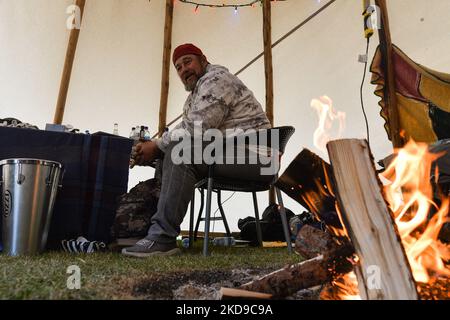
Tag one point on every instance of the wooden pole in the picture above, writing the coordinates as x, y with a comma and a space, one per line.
165, 67
68, 64
385, 273
268, 69
237, 294
387, 53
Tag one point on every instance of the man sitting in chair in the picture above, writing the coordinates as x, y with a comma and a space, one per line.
217, 100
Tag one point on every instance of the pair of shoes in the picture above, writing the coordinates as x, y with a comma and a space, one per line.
147, 248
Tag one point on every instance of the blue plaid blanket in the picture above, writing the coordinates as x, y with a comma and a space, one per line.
96, 174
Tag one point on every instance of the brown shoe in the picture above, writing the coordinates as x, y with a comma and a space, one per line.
147, 248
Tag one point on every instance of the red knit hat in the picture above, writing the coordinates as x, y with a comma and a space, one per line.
184, 49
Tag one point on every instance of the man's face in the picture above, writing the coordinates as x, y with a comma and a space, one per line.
190, 68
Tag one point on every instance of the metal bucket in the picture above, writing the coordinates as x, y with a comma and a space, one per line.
28, 189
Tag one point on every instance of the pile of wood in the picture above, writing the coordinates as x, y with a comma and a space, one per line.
368, 244
334, 260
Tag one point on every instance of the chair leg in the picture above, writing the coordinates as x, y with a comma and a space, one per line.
200, 211
208, 212
284, 220
191, 221
222, 213
258, 224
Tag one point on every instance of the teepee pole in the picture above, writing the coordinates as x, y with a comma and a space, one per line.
388, 63
268, 67
165, 67
68, 64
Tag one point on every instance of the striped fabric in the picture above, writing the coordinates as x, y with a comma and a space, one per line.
82, 245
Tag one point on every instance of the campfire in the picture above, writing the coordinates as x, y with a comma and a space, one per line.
419, 219
380, 236
410, 196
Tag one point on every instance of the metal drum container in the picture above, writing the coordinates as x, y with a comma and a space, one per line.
28, 190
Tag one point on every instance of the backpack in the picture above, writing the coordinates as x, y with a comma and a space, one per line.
135, 210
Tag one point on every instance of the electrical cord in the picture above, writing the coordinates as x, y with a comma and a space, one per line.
214, 214
361, 91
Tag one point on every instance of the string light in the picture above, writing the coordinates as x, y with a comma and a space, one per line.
223, 5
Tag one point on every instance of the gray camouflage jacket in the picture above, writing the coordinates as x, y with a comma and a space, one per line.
220, 100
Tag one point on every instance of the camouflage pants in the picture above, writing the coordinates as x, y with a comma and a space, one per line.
177, 188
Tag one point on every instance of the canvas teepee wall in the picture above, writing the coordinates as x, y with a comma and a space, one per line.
117, 76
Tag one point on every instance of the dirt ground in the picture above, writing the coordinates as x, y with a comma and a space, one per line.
204, 285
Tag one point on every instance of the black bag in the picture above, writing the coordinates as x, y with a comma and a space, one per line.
271, 226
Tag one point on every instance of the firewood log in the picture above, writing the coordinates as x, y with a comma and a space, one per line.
306, 274
384, 271
312, 242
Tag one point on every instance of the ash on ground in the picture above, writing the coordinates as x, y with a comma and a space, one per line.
204, 285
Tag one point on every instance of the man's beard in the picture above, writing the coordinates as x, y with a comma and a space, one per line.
191, 84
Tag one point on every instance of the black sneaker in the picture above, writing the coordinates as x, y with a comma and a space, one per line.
147, 248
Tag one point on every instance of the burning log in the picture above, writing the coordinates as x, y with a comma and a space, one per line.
312, 242
327, 260
384, 271
291, 279
304, 180
307, 274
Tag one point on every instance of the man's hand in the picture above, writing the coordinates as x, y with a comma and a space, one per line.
146, 152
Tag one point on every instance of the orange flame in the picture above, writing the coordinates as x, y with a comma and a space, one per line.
327, 117
409, 194
343, 288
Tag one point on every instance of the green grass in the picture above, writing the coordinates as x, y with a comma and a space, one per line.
113, 276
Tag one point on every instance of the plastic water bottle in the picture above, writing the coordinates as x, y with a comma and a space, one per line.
136, 135
142, 134
224, 241
132, 133
147, 136
116, 129
185, 243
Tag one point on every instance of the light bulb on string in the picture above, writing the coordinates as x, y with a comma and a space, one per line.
223, 4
